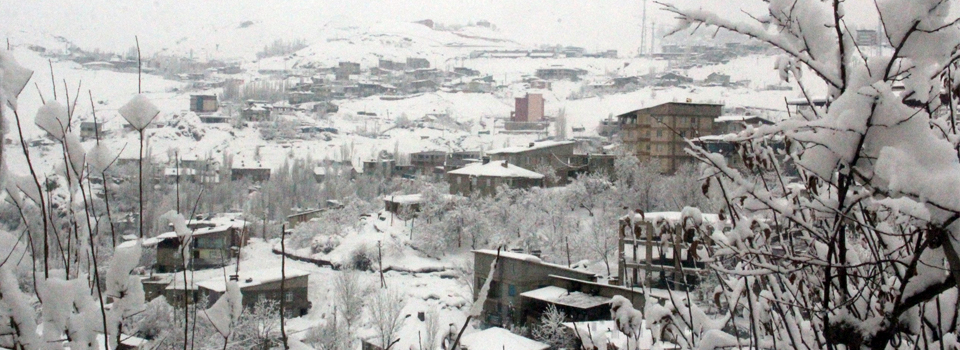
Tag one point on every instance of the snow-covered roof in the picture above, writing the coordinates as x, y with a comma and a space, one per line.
527, 257
404, 199
252, 278
739, 118
497, 338
673, 217
534, 146
496, 169
599, 333
561, 296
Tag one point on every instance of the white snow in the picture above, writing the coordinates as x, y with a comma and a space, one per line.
500, 168
139, 112
251, 278
497, 338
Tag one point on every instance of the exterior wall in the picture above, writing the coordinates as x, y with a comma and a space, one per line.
487, 185
203, 103
552, 156
504, 305
528, 108
209, 250
425, 162
651, 133
297, 288
254, 174
297, 219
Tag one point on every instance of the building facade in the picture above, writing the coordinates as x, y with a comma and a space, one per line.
554, 154
484, 178
658, 133
528, 109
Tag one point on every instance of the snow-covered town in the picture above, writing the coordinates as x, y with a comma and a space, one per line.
487, 175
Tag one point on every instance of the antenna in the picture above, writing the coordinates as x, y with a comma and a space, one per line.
643, 29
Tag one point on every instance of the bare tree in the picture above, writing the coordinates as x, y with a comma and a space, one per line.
385, 310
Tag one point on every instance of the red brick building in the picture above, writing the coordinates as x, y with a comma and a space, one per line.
528, 109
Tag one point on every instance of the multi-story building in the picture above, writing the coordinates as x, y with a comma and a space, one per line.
528, 109
658, 133
427, 162
524, 285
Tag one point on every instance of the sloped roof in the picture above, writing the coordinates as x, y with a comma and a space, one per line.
535, 146
498, 168
252, 278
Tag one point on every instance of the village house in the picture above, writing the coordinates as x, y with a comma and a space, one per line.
523, 286
553, 154
560, 73
419, 86
457, 160
252, 173
417, 63
204, 103
214, 244
214, 118
301, 217
464, 71
256, 111
264, 284
485, 177
390, 65
426, 162
90, 130
403, 205
717, 79
658, 133
379, 167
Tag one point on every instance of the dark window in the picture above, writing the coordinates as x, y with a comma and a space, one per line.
511, 290
494, 290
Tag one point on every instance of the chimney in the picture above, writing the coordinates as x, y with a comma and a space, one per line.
532, 144
485, 159
505, 165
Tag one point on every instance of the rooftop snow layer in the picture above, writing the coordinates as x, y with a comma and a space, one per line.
561, 296
496, 169
252, 278
535, 145
497, 338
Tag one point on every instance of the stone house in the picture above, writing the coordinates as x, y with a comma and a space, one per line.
264, 284
484, 178
554, 154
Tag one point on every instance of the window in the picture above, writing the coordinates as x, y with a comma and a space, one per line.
196, 254
659, 133
511, 290
288, 297
458, 180
494, 290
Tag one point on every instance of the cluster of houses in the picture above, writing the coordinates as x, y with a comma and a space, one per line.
211, 252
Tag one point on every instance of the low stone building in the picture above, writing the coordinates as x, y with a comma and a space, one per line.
553, 154
523, 286
264, 284
484, 178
